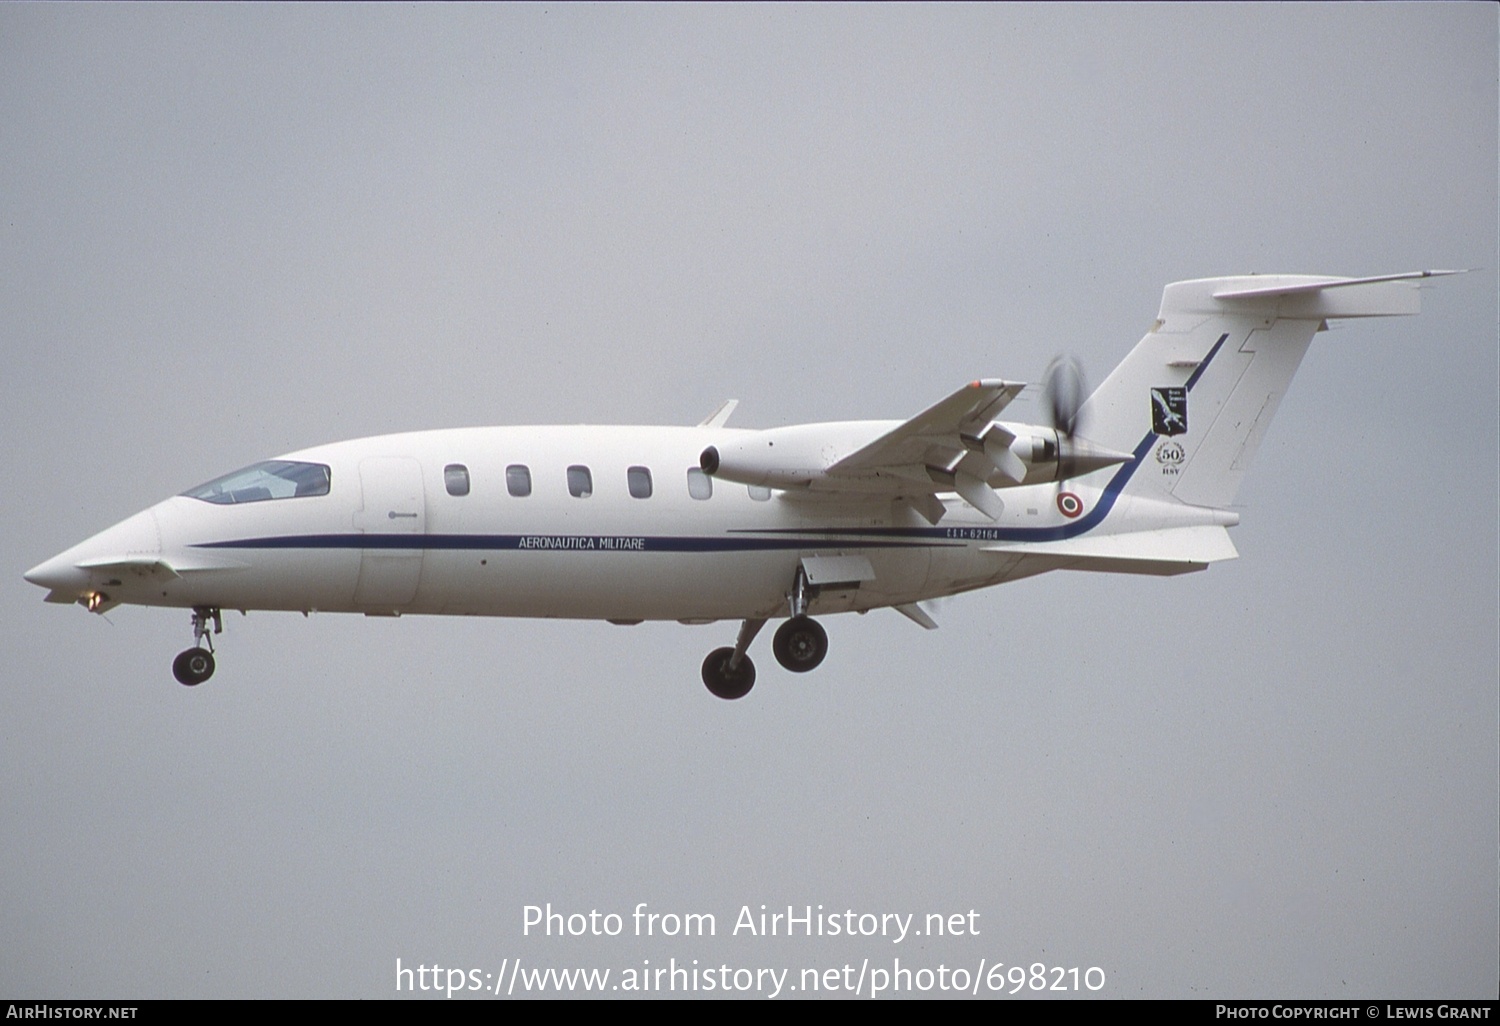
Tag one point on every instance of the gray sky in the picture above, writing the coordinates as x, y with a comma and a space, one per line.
228, 232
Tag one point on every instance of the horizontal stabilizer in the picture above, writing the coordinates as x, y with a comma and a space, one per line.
1176, 550
1318, 285
1299, 296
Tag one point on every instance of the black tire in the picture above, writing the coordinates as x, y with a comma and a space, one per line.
723, 682
800, 644
193, 666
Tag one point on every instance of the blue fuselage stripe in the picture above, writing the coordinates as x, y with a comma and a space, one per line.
555, 543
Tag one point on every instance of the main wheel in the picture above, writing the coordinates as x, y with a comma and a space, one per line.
724, 682
193, 666
800, 644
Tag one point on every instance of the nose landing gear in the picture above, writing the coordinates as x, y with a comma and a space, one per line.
727, 681
195, 665
728, 672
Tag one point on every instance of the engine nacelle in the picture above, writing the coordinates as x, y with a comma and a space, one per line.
1002, 456
787, 457
1025, 454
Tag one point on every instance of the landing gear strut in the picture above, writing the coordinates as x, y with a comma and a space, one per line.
800, 645
195, 665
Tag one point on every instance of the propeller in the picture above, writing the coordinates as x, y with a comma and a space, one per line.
1065, 390
1056, 455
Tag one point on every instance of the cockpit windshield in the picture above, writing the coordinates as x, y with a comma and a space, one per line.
272, 479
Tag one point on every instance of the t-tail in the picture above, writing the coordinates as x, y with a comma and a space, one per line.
1193, 399
1191, 404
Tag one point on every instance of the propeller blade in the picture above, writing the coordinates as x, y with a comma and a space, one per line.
1065, 391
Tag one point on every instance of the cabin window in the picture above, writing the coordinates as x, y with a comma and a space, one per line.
518, 480
580, 482
760, 493
456, 479
272, 479
700, 485
639, 481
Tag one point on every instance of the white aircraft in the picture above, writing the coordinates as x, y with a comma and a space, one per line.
709, 523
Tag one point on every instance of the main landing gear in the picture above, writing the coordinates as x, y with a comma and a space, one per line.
799, 644
195, 665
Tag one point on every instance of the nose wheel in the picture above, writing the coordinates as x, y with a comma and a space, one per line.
195, 665
724, 678
728, 672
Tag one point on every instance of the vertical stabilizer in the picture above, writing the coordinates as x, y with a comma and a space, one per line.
1195, 396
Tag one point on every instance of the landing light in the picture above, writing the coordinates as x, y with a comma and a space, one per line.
94, 600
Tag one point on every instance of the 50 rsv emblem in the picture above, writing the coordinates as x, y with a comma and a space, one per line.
1169, 411
1170, 455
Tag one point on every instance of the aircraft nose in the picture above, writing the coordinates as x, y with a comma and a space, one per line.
68, 574
58, 574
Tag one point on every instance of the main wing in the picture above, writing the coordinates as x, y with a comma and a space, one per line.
938, 450
937, 431
955, 445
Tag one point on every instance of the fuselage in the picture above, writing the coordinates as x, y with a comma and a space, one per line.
615, 523
712, 523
